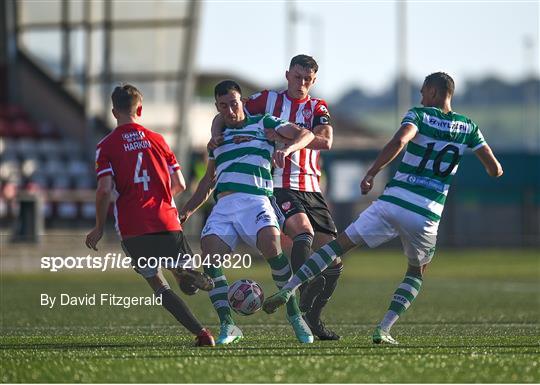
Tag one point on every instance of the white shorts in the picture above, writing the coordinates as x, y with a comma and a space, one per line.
383, 221
240, 215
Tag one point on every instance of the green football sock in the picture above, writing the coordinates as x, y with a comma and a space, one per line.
218, 295
317, 263
281, 273
401, 300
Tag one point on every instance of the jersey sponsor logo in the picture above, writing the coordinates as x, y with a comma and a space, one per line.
243, 138
133, 136
306, 112
447, 125
431, 184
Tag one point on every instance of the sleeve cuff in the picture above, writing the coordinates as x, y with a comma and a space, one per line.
102, 173
174, 168
479, 146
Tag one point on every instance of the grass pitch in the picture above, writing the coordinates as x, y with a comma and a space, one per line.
477, 319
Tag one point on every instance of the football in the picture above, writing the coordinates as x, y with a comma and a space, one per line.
245, 296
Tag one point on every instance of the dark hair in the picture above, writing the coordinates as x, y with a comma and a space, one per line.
126, 98
223, 88
304, 61
441, 81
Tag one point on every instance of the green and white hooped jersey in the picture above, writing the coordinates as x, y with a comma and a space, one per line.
431, 160
247, 166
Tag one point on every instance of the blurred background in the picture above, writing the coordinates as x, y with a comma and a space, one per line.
61, 59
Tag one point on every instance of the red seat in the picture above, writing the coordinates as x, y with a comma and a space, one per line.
23, 128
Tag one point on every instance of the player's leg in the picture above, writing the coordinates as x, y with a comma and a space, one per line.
317, 263
139, 249
213, 246
296, 225
188, 279
318, 291
298, 228
269, 245
402, 299
179, 309
291, 207
370, 228
314, 299
257, 222
418, 236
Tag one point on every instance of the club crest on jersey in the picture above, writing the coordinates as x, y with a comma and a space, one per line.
307, 113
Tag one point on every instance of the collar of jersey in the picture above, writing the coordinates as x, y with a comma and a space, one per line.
122, 126
449, 113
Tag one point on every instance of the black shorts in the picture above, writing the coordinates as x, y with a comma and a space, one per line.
291, 202
165, 247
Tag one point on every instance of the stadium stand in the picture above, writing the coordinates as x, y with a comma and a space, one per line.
37, 158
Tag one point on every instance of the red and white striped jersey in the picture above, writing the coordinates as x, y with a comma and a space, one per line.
301, 171
140, 162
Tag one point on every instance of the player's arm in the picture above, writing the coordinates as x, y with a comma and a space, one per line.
203, 191
323, 139
491, 164
392, 149
322, 128
178, 183
298, 138
103, 199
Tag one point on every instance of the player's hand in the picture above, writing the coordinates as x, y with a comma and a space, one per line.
271, 134
215, 142
278, 159
367, 184
93, 238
